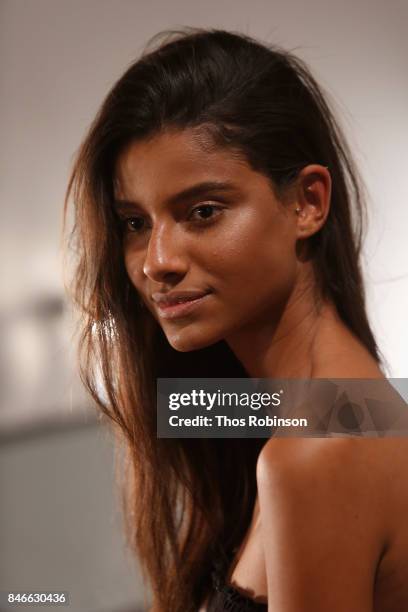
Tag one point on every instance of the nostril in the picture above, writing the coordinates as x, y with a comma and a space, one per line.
163, 274
167, 269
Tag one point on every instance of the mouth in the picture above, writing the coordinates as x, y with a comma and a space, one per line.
182, 308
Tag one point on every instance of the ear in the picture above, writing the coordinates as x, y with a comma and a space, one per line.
312, 199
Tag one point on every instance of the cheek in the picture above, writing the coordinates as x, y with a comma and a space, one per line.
256, 258
260, 280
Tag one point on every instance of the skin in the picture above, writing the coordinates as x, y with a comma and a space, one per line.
316, 521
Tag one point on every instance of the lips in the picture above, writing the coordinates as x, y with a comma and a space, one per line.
180, 304
177, 297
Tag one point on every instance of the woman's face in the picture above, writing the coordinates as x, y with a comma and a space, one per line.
200, 225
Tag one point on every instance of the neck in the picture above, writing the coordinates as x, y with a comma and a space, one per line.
287, 345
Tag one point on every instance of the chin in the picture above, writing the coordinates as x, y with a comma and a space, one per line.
185, 340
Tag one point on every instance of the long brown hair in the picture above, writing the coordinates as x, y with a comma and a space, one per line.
187, 499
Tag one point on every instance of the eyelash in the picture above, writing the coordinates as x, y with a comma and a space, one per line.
199, 222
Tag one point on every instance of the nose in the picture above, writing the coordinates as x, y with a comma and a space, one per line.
164, 260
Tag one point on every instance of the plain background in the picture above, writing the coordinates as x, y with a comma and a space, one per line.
58, 60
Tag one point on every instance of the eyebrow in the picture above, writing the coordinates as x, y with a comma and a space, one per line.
198, 190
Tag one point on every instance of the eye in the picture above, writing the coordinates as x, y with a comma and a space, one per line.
133, 224
205, 212
200, 215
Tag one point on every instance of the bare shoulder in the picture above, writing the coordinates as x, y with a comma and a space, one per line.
372, 470
388, 451
332, 507
332, 466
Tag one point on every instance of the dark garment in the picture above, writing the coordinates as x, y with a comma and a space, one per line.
224, 597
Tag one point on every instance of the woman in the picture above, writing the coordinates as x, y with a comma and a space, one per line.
213, 225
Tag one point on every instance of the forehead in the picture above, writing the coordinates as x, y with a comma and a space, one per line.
172, 161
